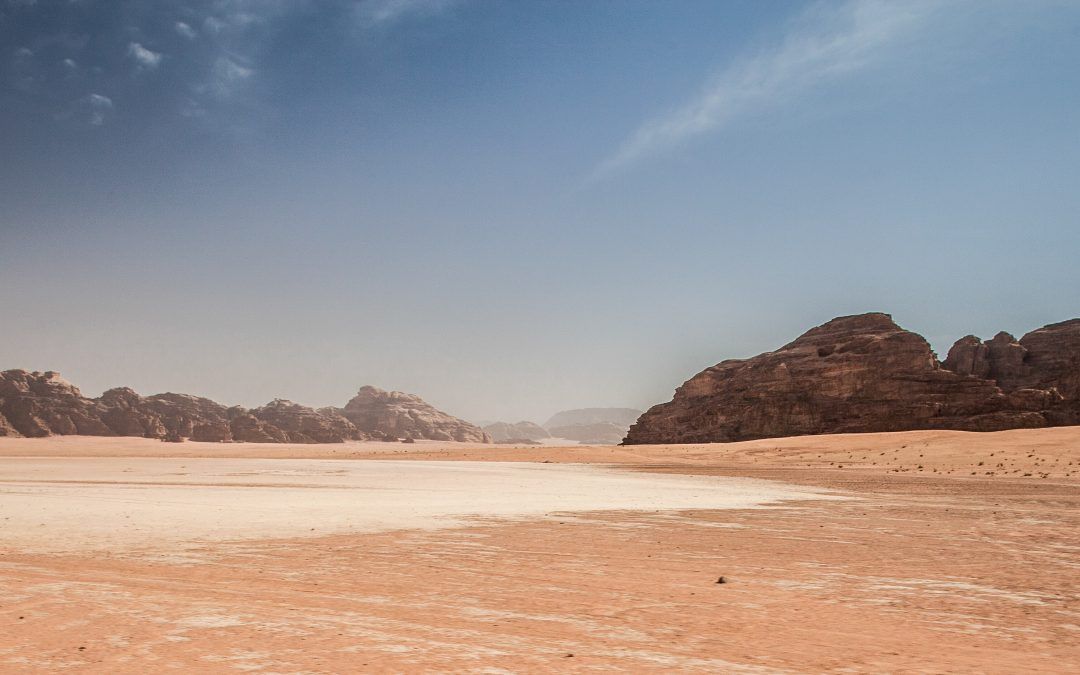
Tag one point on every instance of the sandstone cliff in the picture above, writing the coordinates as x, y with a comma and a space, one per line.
397, 415
38, 404
864, 373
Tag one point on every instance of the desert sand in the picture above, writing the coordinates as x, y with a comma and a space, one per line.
900, 552
160, 504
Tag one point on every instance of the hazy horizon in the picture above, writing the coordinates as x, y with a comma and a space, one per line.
512, 209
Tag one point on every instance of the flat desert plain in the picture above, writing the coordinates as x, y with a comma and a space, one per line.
900, 552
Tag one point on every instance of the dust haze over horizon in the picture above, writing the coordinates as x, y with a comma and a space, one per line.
512, 209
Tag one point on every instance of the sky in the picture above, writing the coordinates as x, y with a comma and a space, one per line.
513, 208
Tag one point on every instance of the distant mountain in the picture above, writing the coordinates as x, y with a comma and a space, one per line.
36, 404
577, 416
600, 433
593, 426
505, 432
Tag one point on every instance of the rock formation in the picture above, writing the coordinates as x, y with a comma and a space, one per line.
1040, 371
44, 404
6, 429
396, 415
864, 373
41, 404
505, 432
301, 424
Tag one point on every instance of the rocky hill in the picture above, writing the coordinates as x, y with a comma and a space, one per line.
38, 404
394, 414
864, 373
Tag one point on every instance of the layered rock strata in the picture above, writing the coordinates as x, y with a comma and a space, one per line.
38, 404
397, 415
864, 373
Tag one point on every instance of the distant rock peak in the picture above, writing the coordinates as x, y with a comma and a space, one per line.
397, 415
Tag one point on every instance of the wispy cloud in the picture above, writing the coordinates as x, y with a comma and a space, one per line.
92, 109
185, 30
386, 12
99, 107
145, 58
226, 76
825, 43
205, 55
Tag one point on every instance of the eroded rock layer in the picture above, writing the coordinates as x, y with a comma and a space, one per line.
397, 415
35, 404
864, 373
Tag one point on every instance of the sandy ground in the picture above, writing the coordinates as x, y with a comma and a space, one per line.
952, 552
156, 504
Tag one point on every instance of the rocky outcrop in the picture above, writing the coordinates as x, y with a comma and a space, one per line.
1051, 359
301, 424
1040, 371
397, 415
128, 414
38, 404
969, 356
864, 373
6, 429
505, 432
41, 404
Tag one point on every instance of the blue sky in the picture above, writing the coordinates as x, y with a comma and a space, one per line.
512, 208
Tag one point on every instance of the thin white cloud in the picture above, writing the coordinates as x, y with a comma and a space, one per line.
213, 24
225, 77
185, 30
386, 12
826, 43
147, 59
97, 108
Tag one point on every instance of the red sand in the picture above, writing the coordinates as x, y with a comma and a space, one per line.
956, 566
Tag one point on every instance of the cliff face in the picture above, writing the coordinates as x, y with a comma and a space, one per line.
394, 415
44, 404
864, 373
1040, 371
